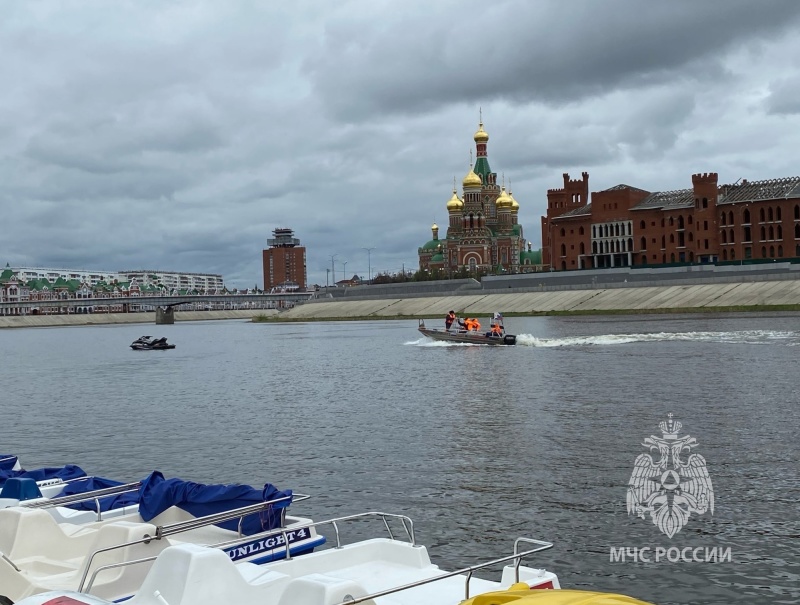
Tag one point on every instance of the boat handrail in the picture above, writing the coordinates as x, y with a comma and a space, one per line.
517, 556
162, 531
273, 532
408, 525
75, 498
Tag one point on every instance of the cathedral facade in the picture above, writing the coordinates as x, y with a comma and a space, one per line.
483, 233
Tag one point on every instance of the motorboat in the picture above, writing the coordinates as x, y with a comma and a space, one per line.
454, 334
376, 571
148, 343
113, 555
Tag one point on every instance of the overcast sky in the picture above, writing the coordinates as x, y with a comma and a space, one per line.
176, 135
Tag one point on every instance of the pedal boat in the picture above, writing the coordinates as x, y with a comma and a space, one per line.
461, 336
378, 571
40, 554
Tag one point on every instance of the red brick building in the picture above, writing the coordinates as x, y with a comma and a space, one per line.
626, 226
284, 262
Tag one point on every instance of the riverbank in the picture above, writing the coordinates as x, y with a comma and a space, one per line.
759, 296
92, 319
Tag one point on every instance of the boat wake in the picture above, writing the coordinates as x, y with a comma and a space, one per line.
762, 337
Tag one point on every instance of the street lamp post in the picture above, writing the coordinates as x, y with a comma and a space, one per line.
344, 269
369, 262
333, 267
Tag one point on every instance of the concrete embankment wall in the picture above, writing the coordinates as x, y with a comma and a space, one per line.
41, 321
634, 299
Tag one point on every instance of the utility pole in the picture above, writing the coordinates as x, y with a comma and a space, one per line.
327, 275
344, 268
333, 267
369, 262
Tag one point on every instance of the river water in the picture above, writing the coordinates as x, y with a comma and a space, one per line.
478, 445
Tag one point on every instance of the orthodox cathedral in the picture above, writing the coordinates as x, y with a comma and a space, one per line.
483, 233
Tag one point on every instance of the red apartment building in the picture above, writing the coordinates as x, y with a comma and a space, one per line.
284, 262
709, 222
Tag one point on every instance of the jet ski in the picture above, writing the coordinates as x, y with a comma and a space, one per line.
148, 343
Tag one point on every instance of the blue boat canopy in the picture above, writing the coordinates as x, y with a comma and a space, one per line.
65, 473
157, 494
7, 462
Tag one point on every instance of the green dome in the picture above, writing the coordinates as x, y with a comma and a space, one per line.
432, 245
437, 258
534, 257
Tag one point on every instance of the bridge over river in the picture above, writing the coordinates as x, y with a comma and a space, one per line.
163, 306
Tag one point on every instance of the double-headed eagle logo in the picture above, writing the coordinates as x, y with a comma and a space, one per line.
669, 488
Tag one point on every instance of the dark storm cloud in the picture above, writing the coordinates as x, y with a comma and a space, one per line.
526, 51
177, 136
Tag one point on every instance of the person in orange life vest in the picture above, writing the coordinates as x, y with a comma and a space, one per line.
476, 325
449, 319
496, 330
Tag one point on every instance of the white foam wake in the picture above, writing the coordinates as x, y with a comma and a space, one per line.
741, 337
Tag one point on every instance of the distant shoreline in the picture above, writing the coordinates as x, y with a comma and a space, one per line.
99, 319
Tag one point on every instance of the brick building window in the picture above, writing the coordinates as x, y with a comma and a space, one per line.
705, 202
642, 225
797, 212
643, 244
731, 236
722, 219
780, 232
689, 220
778, 213
780, 251
762, 215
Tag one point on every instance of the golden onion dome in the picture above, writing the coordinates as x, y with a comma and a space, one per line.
434, 227
503, 200
481, 136
454, 203
472, 180
514, 203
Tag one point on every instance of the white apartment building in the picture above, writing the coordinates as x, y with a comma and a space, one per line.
170, 279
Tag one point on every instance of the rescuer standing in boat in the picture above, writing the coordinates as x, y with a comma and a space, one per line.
449, 319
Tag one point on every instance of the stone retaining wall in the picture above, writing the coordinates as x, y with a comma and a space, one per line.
41, 321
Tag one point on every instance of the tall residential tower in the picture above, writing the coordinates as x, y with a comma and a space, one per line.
284, 262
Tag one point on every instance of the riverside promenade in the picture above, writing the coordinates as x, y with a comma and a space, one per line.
765, 287
780, 295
